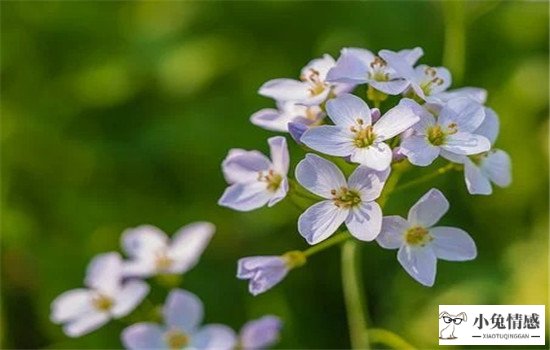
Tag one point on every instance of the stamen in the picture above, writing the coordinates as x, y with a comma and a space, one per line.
272, 179
176, 339
102, 302
417, 236
345, 198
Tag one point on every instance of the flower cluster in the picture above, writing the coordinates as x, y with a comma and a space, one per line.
115, 287
411, 119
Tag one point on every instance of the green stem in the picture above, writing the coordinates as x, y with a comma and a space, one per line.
382, 336
354, 295
425, 178
336, 239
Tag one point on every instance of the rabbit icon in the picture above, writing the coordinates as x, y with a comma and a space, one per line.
451, 322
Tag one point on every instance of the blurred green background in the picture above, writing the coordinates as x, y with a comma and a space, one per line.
116, 114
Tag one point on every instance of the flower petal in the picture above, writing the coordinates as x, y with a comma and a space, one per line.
280, 194
329, 139
245, 196
285, 89
453, 244
391, 234
497, 165
70, 305
477, 94
419, 262
411, 55
320, 221
490, 125
214, 337
391, 87
426, 119
129, 297
319, 175
352, 66
398, 63
242, 166
476, 181
466, 113
395, 121
428, 209
346, 109
143, 336
296, 130
279, 154
466, 143
419, 151
143, 241
378, 156
260, 333
104, 273
188, 244
271, 119
365, 221
264, 272
85, 324
183, 310
369, 183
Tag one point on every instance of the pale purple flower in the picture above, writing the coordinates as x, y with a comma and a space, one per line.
183, 313
360, 66
350, 202
355, 135
420, 244
491, 166
451, 135
264, 272
474, 93
424, 80
261, 333
312, 88
287, 112
152, 252
296, 130
105, 297
254, 179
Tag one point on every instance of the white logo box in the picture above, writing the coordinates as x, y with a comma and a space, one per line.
491, 325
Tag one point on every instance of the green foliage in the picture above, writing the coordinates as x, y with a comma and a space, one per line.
116, 114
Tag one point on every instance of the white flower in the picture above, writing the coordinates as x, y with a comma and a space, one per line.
359, 66
287, 112
491, 166
86, 309
254, 179
452, 135
350, 202
355, 135
312, 88
183, 313
420, 244
151, 252
424, 80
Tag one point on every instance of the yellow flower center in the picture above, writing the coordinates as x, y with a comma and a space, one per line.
272, 179
345, 198
163, 262
437, 136
417, 236
176, 339
364, 135
102, 302
313, 77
